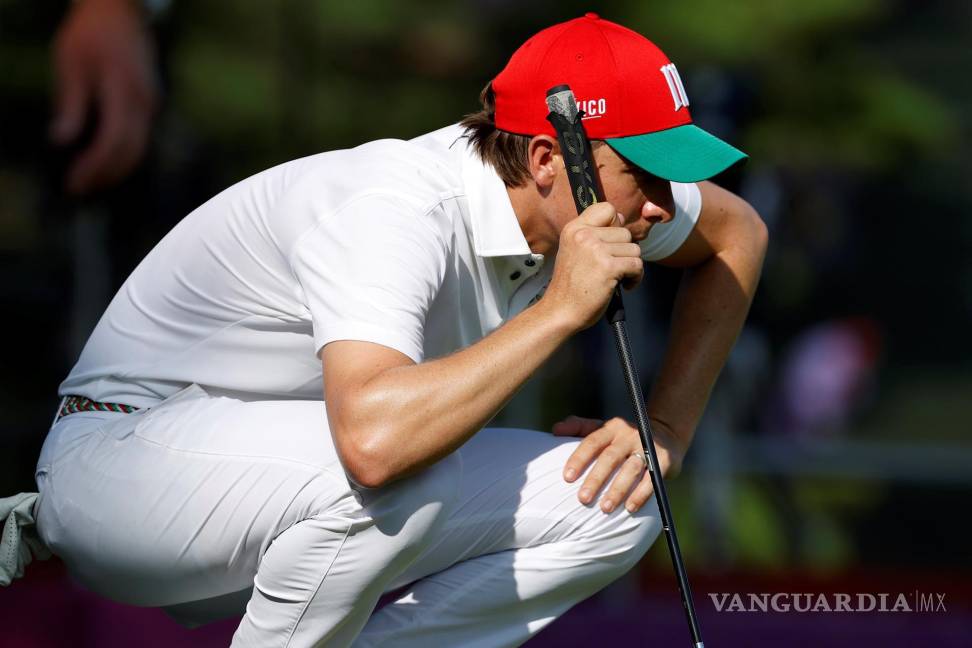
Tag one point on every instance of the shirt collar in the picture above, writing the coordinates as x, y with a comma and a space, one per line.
496, 234
495, 228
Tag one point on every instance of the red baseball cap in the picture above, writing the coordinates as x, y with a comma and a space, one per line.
630, 92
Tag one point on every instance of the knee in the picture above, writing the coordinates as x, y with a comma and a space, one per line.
638, 532
620, 540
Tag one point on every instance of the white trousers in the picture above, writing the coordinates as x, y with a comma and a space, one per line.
210, 506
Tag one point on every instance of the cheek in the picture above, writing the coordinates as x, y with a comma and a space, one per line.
566, 210
627, 198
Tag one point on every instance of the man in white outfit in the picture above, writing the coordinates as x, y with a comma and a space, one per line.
281, 414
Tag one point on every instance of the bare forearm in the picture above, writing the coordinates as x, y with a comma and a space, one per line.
414, 415
709, 312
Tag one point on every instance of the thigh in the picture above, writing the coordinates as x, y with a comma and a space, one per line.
512, 495
180, 502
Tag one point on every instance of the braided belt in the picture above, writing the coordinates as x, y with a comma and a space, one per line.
74, 404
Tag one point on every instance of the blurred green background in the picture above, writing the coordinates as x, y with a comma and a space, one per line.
838, 437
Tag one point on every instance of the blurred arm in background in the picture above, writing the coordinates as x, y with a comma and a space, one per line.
104, 60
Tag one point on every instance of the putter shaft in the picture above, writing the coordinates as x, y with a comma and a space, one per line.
657, 481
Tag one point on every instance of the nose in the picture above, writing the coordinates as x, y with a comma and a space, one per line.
654, 213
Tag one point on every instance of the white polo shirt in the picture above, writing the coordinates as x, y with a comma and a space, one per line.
410, 244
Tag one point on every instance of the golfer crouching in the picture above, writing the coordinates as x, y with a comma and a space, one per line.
281, 414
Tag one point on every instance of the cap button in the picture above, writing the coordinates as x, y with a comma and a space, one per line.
591, 15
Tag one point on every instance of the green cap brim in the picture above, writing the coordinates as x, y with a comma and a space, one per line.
682, 154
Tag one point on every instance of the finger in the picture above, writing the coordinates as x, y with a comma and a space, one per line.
633, 281
641, 494
585, 453
607, 462
628, 269
630, 283
624, 249
612, 234
601, 214
72, 95
624, 480
576, 426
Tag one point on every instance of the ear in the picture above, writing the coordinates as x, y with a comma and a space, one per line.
545, 160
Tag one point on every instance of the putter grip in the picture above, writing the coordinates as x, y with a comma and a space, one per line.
576, 150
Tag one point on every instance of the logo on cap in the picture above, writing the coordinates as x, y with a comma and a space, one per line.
593, 108
675, 85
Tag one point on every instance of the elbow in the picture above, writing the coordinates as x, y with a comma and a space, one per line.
762, 234
364, 460
757, 232
359, 437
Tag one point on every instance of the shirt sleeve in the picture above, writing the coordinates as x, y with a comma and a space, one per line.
370, 272
664, 239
